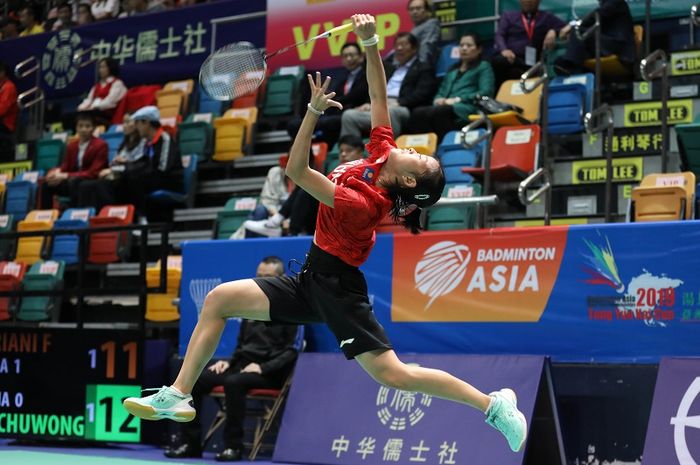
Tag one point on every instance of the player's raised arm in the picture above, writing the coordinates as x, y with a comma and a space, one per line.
366, 30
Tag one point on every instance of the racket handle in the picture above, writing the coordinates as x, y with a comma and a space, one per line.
335, 30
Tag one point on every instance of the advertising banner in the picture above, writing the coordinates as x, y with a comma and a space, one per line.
292, 21
649, 113
358, 420
673, 434
151, 48
579, 8
685, 63
619, 292
595, 171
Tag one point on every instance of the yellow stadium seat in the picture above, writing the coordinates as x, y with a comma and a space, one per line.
611, 66
422, 143
174, 273
229, 140
665, 197
511, 92
160, 307
248, 115
186, 87
29, 249
170, 103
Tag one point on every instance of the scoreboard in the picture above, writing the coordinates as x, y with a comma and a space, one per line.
69, 383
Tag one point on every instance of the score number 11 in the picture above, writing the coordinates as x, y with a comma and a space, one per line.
110, 350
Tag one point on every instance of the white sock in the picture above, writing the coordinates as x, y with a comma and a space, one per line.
177, 390
493, 399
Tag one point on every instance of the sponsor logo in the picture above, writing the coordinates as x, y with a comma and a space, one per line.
594, 171
199, 288
649, 114
346, 342
685, 63
475, 278
682, 421
399, 410
57, 65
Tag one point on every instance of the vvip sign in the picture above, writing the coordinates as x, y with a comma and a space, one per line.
673, 434
497, 277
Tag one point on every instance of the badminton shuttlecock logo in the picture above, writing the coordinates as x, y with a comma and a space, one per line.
441, 269
199, 288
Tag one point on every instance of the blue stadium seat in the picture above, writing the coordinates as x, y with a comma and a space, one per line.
186, 198
20, 194
66, 248
114, 140
454, 156
449, 55
208, 104
566, 105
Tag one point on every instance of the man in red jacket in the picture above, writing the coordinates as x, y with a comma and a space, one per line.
8, 114
84, 159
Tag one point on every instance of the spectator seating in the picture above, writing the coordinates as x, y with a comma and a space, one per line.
234, 213
4, 179
421, 143
586, 80
185, 198
170, 104
49, 153
135, 98
454, 156
449, 56
233, 133
511, 92
664, 197
281, 91
611, 66
11, 275
207, 104
688, 136
30, 249
6, 245
513, 154
110, 246
159, 306
447, 217
20, 194
66, 247
42, 276
251, 99
183, 88
196, 135
113, 140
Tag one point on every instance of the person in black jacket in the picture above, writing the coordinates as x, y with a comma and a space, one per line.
410, 84
263, 359
350, 90
616, 38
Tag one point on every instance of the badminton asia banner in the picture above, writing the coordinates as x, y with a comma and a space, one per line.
358, 421
292, 21
673, 434
150, 48
619, 292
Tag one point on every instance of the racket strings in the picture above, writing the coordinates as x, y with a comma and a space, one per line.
233, 71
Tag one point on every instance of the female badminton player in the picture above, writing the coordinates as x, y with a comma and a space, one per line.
330, 288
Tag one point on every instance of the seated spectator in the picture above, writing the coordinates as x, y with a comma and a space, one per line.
351, 92
106, 94
8, 114
28, 18
520, 33
453, 102
300, 209
425, 28
9, 27
616, 38
161, 168
139, 7
64, 18
105, 9
410, 83
84, 159
85, 14
99, 192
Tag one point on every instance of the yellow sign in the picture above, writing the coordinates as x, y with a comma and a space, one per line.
593, 171
684, 63
649, 113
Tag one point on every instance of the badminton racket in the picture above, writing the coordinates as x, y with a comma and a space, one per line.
238, 69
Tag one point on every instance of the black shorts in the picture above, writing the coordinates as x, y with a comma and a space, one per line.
327, 291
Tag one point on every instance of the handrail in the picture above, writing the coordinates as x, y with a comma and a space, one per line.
603, 119
595, 30
34, 90
78, 57
21, 73
480, 200
546, 189
543, 81
536, 68
486, 160
694, 21
658, 58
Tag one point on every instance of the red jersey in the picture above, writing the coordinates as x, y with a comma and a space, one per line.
347, 229
8, 104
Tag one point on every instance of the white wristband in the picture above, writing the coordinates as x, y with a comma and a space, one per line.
374, 40
313, 110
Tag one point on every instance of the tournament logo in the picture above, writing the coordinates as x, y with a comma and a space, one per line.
399, 410
57, 65
199, 288
682, 421
442, 269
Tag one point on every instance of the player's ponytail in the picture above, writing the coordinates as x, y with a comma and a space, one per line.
408, 201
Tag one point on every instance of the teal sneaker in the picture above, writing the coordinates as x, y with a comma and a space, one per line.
167, 403
503, 414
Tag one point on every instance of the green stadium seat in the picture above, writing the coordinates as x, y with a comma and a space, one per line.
280, 95
7, 246
42, 276
196, 136
233, 215
448, 217
49, 153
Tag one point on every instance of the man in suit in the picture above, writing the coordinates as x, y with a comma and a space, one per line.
351, 91
263, 359
616, 38
410, 83
84, 159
